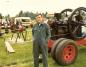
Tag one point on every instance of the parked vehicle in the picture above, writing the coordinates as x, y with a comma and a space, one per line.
26, 21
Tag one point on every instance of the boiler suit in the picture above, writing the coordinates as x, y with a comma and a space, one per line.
41, 34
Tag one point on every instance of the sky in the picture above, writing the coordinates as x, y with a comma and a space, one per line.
13, 7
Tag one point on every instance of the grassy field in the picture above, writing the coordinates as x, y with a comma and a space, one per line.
23, 57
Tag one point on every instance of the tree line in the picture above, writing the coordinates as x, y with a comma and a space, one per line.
24, 14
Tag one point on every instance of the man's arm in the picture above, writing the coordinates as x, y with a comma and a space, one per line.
48, 33
33, 33
33, 30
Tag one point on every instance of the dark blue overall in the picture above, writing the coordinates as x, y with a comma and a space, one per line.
41, 34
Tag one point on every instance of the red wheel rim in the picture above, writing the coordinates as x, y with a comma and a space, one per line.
69, 53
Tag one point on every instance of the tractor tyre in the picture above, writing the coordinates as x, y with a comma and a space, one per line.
66, 52
53, 49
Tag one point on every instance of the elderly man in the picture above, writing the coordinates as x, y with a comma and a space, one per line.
41, 34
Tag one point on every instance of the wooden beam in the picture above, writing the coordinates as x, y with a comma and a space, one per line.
9, 47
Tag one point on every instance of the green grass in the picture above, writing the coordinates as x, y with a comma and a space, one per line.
23, 57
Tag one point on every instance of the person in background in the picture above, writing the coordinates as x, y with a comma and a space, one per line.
12, 26
6, 26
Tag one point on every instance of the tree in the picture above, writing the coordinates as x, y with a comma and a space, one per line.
46, 14
26, 14
20, 13
1, 16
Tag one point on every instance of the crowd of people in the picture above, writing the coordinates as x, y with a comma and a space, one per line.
8, 24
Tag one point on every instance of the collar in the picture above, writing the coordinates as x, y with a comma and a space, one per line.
40, 24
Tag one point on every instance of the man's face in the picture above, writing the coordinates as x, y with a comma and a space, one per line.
39, 19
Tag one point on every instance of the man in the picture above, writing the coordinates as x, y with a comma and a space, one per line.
41, 34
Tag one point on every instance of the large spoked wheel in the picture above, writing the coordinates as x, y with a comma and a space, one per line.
66, 52
76, 20
65, 14
65, 11
53, 49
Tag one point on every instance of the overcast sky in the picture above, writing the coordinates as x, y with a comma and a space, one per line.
12, 7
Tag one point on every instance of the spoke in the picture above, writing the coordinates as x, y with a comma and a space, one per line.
76, 29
